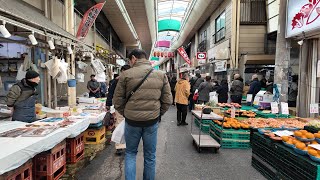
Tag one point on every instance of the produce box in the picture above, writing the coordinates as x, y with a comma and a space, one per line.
230, 143
287, 163
204, 127
227, 134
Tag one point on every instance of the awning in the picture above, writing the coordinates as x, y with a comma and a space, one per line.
22, 12
259, 59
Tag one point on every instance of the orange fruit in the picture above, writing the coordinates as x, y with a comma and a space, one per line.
314, 142
304, 131
300, 146
312, 152
298, 133
289, 142
305, 149
285, 138
304, 137
309, 135
317, 135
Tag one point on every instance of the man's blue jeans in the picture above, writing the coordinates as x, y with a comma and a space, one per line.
133, 136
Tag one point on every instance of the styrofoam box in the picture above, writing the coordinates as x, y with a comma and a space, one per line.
94, 118
87, 100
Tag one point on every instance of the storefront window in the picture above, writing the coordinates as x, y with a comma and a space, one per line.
220, 27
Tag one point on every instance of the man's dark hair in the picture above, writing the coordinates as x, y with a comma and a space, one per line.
115, 76
138, 53
208, 78
92, 75
125, 67
224, 81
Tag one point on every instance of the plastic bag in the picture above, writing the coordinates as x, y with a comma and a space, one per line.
118, 134
21, 73
213, 97
195, 96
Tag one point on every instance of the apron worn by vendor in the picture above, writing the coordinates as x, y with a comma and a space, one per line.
24, 109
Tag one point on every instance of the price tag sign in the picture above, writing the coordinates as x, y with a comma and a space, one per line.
249, 97
233, 112
284, 108
314, 108
316, 146
274, 108
283, 133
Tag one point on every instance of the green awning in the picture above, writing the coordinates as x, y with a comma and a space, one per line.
154, 59
168, 25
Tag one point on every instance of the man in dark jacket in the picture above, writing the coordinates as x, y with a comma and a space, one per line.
236, 89
173, 83
113, 85
223, 92
94, 87
151, 100
255, 86
21, 98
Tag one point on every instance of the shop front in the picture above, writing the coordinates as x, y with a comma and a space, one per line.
303, 25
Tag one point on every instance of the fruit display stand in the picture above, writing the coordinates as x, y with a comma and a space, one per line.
203, 140
277, 161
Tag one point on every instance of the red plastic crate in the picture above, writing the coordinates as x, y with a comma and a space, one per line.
24, 172
75, 148
50, 164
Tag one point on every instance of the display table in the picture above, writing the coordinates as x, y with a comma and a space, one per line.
16, 151
211, 116
276, 161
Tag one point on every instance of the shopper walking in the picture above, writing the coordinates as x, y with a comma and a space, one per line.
194, 83
21, 98
269, 85
173, 83
141, 96
255, 86
223, 92
236, 89
204, 89
94, 87
181, 99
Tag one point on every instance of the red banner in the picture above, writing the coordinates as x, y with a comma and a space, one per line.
184, 55
88, 19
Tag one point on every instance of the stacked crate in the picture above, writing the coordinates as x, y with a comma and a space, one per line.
276, 161
230, 138
24, 172
50, 165
75, 149
95, 135
205, 125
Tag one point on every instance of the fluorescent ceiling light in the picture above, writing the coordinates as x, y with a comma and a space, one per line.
33, 39
51, 44
4, 31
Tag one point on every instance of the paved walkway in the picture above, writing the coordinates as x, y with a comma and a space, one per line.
176, 159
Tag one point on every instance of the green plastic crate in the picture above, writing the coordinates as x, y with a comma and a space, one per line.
269, 115
231, 143
233, 134
204, 121
204, 127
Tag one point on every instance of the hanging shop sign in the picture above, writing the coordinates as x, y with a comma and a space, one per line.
220, 66
184, 55
201, 57
88, 19
302, 16
164, 54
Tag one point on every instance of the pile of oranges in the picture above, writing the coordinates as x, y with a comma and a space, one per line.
303, 134
232, 123
298, 144
313, 152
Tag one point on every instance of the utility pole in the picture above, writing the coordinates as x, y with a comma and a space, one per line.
282, 54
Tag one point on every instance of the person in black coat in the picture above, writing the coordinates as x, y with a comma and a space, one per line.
112, 86
255, 86
173, 83
223, 92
